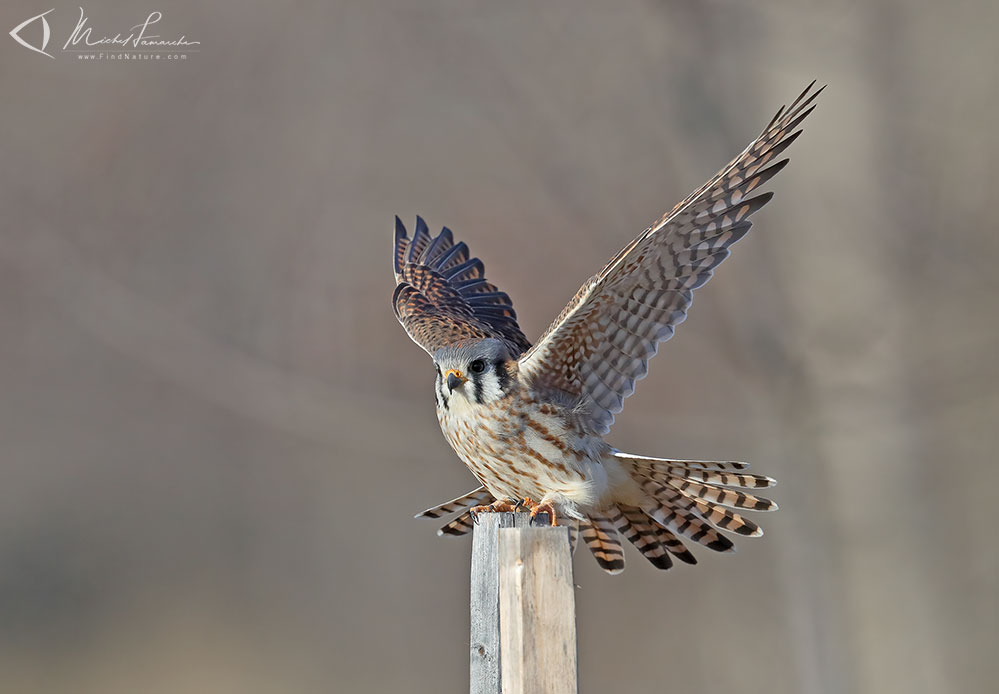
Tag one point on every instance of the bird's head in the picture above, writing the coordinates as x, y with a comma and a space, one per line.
474, 373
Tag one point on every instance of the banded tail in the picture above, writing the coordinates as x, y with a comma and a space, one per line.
691, 499
462, 524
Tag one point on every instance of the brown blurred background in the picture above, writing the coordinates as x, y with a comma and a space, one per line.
214, 434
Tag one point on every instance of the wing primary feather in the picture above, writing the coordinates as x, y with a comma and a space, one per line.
473, 266
488, 298
779, 148
798, 104
471, 287
401, 245
441, 243
421, 239
456, 251
797, 121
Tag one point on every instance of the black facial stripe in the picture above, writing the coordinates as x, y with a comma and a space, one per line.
502, 375
441, 397
477, 380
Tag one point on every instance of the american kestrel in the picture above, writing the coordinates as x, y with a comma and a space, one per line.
529, 421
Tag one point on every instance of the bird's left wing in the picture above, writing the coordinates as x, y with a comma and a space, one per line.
602, 341
442, 296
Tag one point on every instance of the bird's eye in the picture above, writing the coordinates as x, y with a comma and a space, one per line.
477, 366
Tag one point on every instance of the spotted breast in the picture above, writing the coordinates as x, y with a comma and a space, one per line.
519, 447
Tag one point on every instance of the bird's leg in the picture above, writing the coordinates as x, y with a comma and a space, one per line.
498, 506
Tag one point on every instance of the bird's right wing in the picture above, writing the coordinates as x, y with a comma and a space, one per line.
602, 341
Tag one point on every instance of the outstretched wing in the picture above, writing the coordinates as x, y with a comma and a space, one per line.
442, 296
602, 341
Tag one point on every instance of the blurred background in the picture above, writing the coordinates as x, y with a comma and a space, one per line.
214, 434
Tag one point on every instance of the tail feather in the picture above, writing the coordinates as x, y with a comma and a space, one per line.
730, 479
472, 498
689, 498
461, 525
718, 516
721, 517
573, 526
671, 463
689, 525
725, 497
674, 545
637, 528
601, 537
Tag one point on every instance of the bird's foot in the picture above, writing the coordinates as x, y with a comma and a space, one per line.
535, 508
544, 507
515, 505
498, 506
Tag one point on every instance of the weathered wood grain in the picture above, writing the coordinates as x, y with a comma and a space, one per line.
537, 612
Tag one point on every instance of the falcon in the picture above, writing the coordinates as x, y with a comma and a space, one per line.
529, 421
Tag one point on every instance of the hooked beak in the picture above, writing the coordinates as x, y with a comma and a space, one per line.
454, 379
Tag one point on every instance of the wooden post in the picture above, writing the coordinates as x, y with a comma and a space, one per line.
537, 612
523, 636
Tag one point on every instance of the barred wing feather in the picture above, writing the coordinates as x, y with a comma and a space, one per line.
442, 296
602, 341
